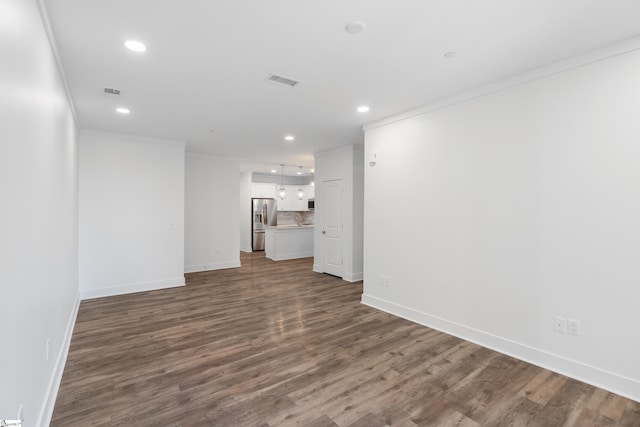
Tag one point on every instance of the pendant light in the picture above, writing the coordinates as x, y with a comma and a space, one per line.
282, 192
300, 192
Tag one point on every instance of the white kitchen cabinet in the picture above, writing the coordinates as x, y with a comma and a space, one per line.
289, 242
299, 205
285, 204
267, 191
309, 191
303, 205
290, 202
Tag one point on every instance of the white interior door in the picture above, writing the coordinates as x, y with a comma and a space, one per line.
332, 231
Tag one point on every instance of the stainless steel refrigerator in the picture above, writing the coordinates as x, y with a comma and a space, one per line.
263, 213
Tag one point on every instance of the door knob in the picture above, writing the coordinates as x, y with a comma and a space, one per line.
324, 232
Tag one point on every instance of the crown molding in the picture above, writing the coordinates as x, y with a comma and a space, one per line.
591, 57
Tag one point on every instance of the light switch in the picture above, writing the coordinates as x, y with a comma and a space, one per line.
373, 158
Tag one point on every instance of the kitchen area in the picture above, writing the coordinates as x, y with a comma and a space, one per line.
282, 215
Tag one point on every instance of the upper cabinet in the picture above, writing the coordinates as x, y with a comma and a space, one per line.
290, 202
299, 205
267, 191
309, 191
286, 204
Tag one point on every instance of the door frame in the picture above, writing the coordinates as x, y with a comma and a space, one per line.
321, 265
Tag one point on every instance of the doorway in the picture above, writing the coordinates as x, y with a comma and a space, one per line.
333, 191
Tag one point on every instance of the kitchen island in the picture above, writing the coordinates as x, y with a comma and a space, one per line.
289, 242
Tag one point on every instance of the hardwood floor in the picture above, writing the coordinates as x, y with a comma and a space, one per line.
274, 344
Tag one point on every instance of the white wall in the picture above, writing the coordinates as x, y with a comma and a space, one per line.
357, 219
341, 163
244, 212
493, 216
131, 214
38, 217
212, 200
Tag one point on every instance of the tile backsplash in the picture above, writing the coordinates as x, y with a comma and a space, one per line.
295, 217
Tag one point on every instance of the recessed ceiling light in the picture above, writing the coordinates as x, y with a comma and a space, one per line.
354, 27
289, 138
122, 110
273, 171
363, 109
450, 55
135, 46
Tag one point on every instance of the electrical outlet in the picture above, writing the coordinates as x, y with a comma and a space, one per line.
573, 326
385, 281
560, 324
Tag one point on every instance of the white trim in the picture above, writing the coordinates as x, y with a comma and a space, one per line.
337, 149
210, 156
246, 249
316, 268
610, 381
353, 277
127, 137
291, 255
130, 288
601, 54
46, 23
211, 266
46, 411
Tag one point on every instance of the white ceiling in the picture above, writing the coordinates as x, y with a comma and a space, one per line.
203, 77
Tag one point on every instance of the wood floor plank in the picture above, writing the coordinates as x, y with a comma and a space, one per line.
323, 421
368, 420
564, 406
275, 344
543, 387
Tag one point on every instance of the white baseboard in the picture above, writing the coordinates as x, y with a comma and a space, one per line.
211, 266
353, 277
246, 249
131, 288
291, 255
46, 412
348, 277
598, 377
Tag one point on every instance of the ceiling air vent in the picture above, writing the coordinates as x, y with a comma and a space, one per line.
274, 78
111, 91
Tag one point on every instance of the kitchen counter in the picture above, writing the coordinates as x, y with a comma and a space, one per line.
289, 242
